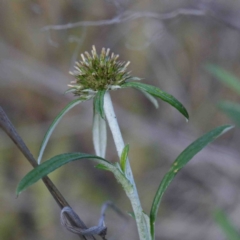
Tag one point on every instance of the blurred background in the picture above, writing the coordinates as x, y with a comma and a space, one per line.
169, 44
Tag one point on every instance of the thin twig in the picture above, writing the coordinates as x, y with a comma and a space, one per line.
10, 130
128, 16
100, 229
133, 15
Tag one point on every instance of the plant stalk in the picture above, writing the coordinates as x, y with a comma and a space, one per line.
131, 192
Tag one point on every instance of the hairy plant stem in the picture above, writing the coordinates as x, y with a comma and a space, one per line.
132, 190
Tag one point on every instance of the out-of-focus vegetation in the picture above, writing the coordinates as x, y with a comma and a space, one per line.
228, 227
168, 51
232, 109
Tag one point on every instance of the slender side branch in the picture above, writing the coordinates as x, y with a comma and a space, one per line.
10, 130
128, 16
212, 11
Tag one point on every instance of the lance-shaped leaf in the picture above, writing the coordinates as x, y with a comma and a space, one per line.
227, 78
232, 110
156, 92
52, 164
54, 124
124, 157
98, 102
179, 163
99, 131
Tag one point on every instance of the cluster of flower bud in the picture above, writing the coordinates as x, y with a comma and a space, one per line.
98, 72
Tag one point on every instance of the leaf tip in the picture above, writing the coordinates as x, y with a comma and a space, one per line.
102, 167
227, 128
184, 112
18, 192
39, 160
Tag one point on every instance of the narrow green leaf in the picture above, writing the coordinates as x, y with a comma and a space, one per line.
117, 165
131, 214
102, 167
52, 164
179, 163
124, 157
227, 227
156, 92
54, 124
227, 78
98, 102
232, 110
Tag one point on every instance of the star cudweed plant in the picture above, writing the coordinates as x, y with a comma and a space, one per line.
95, 77
96, 73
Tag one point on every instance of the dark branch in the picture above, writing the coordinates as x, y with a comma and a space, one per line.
10, 130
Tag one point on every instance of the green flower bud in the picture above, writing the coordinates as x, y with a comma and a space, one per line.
98, 72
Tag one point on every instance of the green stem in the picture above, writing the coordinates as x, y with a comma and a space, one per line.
130, 191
